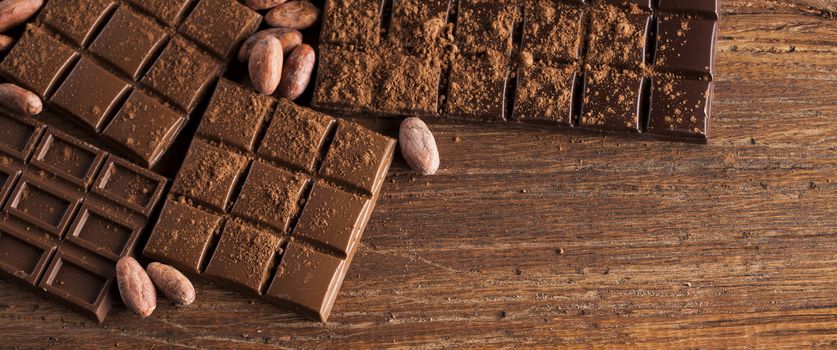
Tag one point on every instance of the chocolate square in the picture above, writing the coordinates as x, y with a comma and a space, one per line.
418, 24
411, 86
18, 138
477, 89
545, 95
167, 11
69, 159
686, 45
130, 56
485, 25
352, 22
346, 80
182, 73
145, 127
307, 281
611, 100
129, 185
552, 31
23, 256
100, 230
90, 93
295, 136
182, 237
37, 61
220, 25
244, 257
358, 157
43, 204
76, 19
270, 196
334, 218
209, 175
80, 280
680, 107
234, 115
618, 39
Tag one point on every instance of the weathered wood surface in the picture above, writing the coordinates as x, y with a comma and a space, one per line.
528, 238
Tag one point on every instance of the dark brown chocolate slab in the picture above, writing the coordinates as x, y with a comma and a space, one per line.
281, 219
485, 52
68, 212
165, 54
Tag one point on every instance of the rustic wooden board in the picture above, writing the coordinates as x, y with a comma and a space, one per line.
540, 239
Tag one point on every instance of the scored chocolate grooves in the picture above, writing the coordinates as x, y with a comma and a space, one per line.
513, 70
577, 108
444, 80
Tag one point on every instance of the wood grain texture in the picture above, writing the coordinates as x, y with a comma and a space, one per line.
534, 239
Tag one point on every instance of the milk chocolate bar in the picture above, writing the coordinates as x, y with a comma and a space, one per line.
272, 199
68, 212
633, 67
131, 71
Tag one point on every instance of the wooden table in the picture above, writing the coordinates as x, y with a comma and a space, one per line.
542, 239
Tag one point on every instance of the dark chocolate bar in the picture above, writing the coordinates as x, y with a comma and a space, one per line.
68, 212
132, 71
272, 199
546, 63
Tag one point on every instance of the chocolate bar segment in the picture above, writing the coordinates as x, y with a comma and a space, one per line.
340, 232
81, 281
22, 256
612, 101
244, 258
686, 45
552, 31
346, 81
145, 127
477, 89
182, 73
69, 212
410, 87
357, 157
77, 20
168, 12
545, 95
233, 117
130, 56
618, 39
209, 175
416, 25
302, 151
485, 25
352, 22
303, 202
68, 159
182, 236
90, 94
307, 281
270, 196
220, 25
680, 107
37, 61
